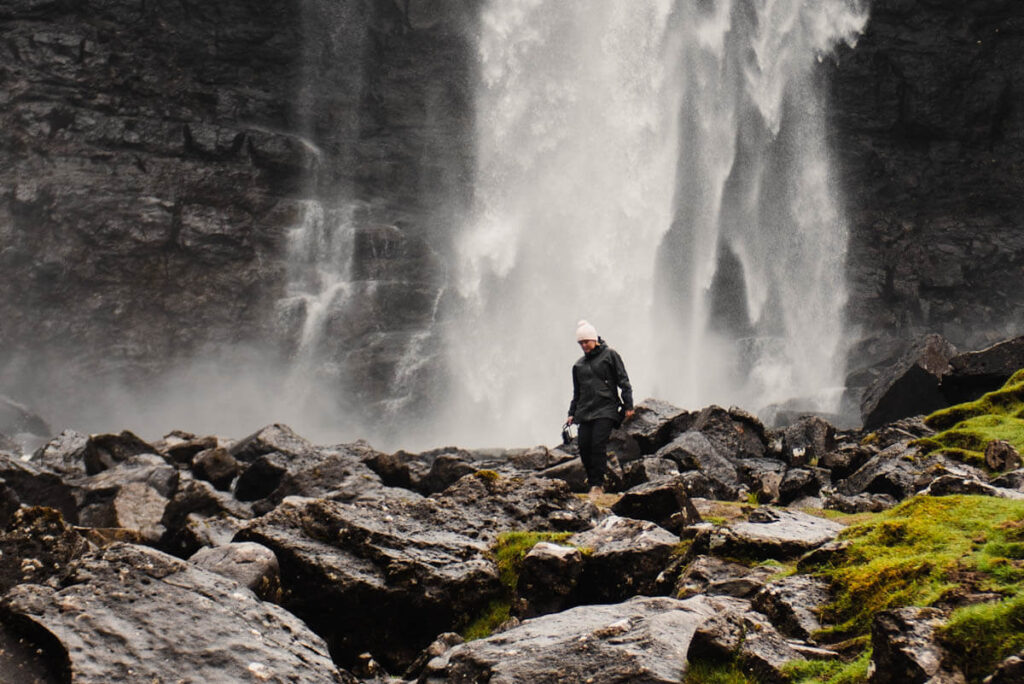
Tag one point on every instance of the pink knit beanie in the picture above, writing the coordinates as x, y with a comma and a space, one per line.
585, 331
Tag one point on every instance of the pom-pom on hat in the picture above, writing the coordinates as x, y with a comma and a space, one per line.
585, 331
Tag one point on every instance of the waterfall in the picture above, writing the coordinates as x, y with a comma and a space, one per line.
660, 168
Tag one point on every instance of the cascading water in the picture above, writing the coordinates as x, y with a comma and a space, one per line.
658, 167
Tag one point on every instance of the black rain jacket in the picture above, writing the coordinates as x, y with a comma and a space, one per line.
596, 379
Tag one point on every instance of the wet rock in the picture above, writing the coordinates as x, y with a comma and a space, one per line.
410, 560
1000, 456
975, 373
112, 619
337, 472
37, 486
106, 451
655, 423
183, 450
217, 466
762, 476
132, 495
734, 433
1011, 480
947, 485
571, 472
198, 515
890, 472
644, 639
860, 503
846, 460
737, 633
251, 565
624, 558
37, 544
768, 533
63, 454
647, 469
802, 482
663, 502
548, 579
443, 643
806, 441
694, 451
792, 604
904, 648
911, 386
276, 438
719, 577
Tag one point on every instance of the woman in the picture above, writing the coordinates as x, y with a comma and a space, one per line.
597, 378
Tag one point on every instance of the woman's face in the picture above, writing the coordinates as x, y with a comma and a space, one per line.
587, 345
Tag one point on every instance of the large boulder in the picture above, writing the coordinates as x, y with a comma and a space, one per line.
905, 648
911, 386
694, 451
975, 373
133, 613
663, 502
385, 577
36, 545
641, 640
768, 533
623, 558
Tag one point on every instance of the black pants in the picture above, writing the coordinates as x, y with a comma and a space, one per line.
593, 441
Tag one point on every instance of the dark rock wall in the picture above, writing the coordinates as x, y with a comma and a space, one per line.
153, 155
927, 114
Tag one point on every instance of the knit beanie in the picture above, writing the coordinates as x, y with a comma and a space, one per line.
585, 331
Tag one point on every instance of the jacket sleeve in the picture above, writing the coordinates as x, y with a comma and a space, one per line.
622, 380
575, 392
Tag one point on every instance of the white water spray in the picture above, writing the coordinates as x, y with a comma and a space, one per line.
622, 147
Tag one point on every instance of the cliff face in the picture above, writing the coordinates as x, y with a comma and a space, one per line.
155, 156
928, 122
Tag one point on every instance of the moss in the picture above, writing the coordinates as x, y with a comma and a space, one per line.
487, 475
714, 672
829, 671
979, 637
920, 552
966, 429
508, 552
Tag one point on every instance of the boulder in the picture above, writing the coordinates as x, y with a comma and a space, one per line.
623, 558
37, 544
1001, 456
735, 433
111, 616
891, 472
198, 515
251, 565
106, 451
133, 495
654, 424
663, 502
905, 649
736, 633
411, 560
276, 438
1011, 670
64, 454
947, 485
911, 386
768, 533
571, 472
792, 604
846, 460
695, 451
716, 576
762, 476
548, 579
975, 373
806, 441
217, 466
798, 483
35, 485
1011, 480
647, 469
640, 640
860, 503
182, 448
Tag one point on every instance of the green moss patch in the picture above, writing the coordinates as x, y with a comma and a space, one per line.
966, 429
829, 671
924, 550
981, 636
508, 551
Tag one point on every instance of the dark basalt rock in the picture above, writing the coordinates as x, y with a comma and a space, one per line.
791, 604
216, 466
641, 640
904, 647
694, 451
106, 451
1009, 671
768, 533
199, 515
251, 565
548, 580
63, 454
272, 439
911, 386
654, 425
718, 577
37, 544
807, 441
110, 616
647, 469
38, 486
663, 502
410, 561
975, 373
625, 558
735, 433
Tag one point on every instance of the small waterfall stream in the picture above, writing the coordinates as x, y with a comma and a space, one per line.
658, 167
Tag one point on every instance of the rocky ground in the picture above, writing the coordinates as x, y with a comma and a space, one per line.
274, 559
